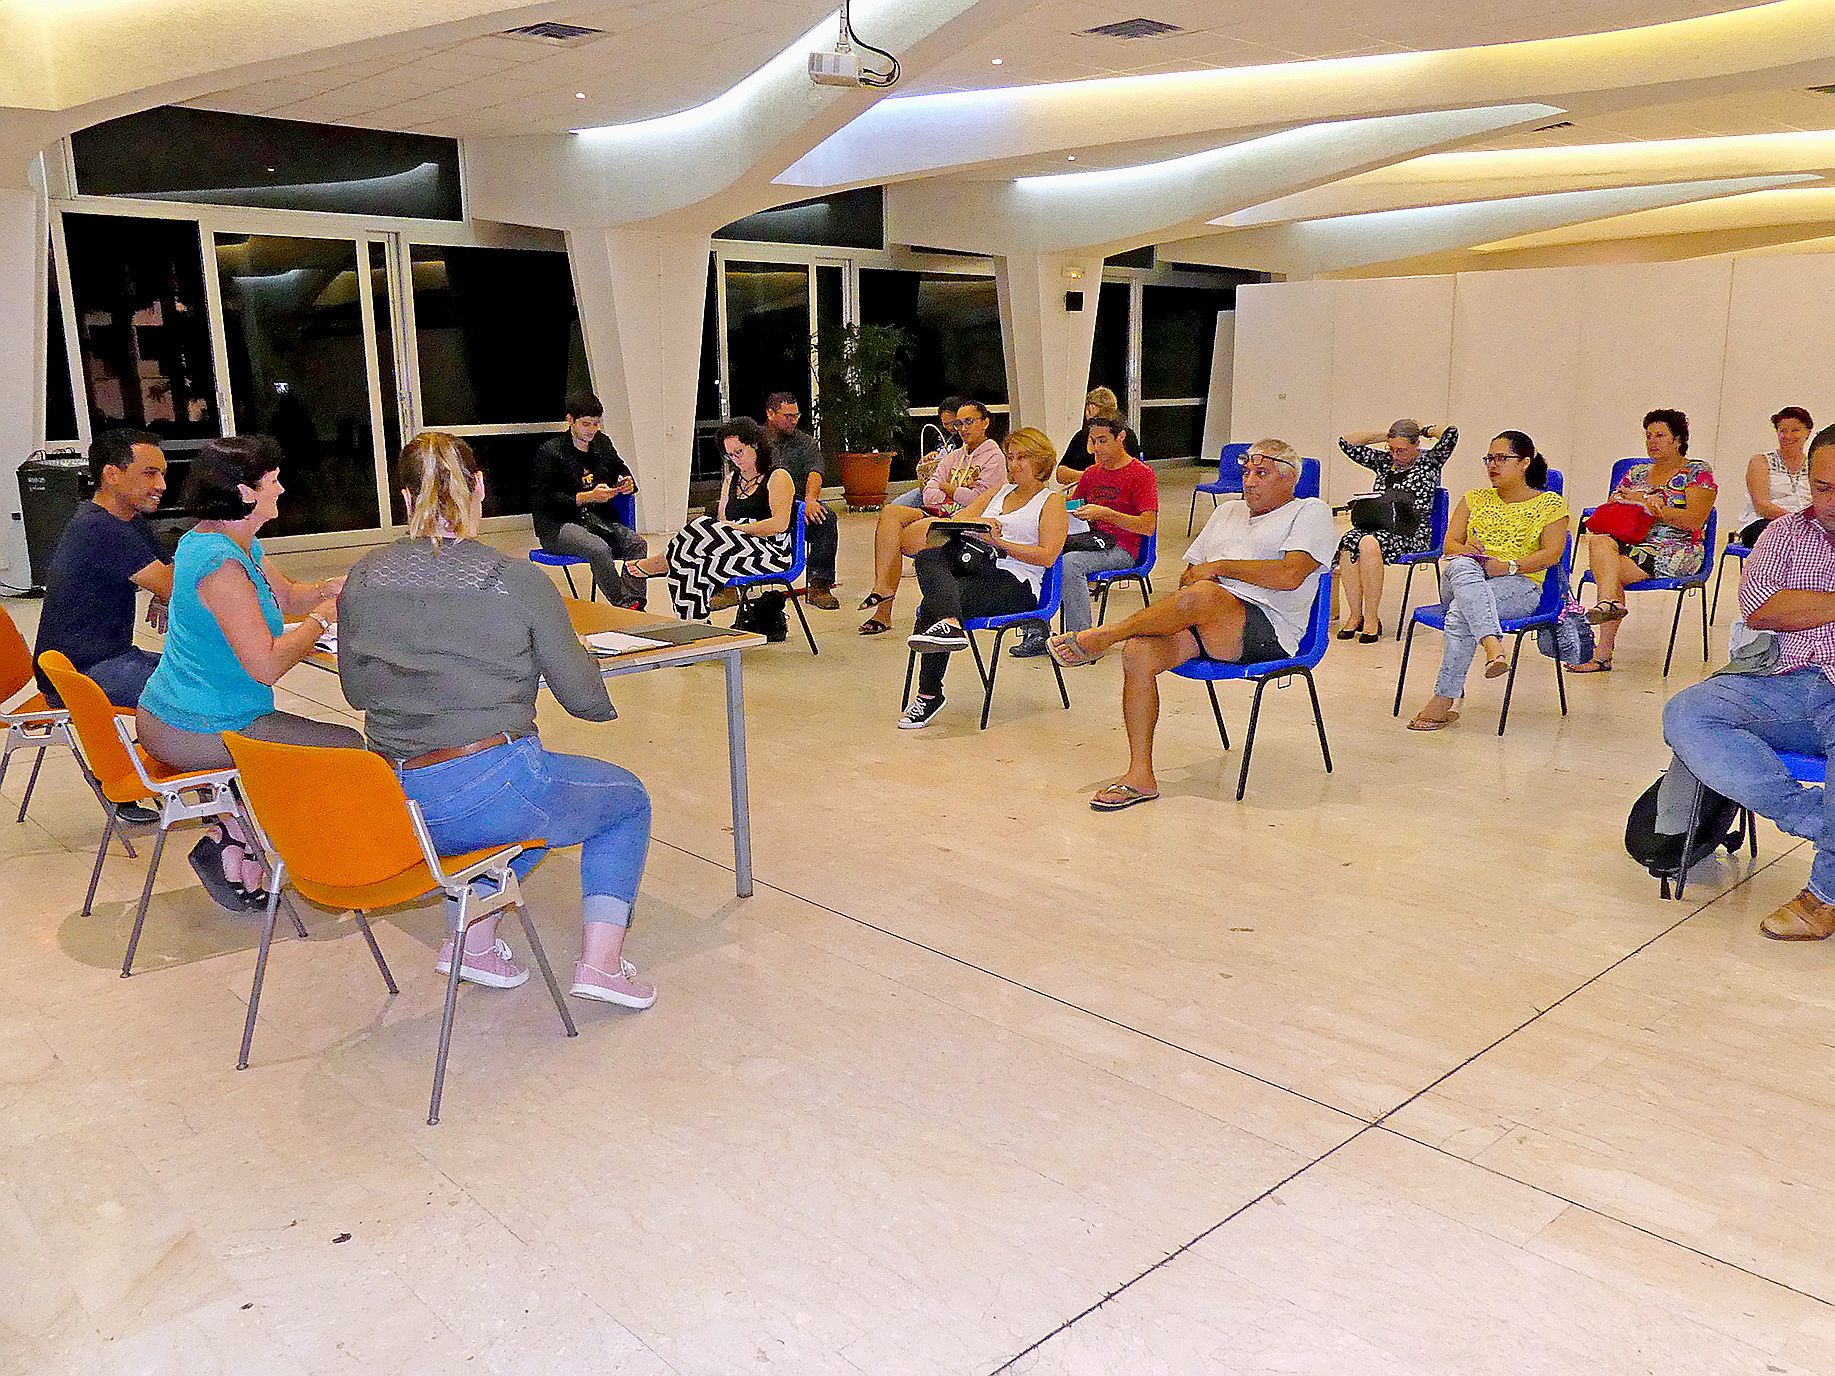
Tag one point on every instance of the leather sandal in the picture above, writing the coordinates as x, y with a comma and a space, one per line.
1592, 666
1433, 723
1116, 796
874, 626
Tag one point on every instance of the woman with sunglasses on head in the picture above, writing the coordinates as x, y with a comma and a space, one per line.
1500, 544
748, 534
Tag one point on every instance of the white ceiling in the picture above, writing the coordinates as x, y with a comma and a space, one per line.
658, 56
1754, 112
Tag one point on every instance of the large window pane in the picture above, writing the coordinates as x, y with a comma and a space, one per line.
954, 323
142, 326
497, 334
383, 314
60, 407
293, 329
1178, 330
1109, 357
509, 463
767, 333
1172, 432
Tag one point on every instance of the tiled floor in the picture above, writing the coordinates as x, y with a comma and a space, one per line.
1401, 1069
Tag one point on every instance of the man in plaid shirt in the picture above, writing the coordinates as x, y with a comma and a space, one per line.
1729, 729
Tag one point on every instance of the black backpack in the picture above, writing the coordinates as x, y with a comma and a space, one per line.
1717, 824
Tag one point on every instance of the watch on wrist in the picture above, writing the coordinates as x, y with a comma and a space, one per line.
1513, 566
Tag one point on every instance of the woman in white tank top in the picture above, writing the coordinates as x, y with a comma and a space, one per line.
1778, 483
1027, 523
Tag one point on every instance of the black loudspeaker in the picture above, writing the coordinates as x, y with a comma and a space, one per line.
50, 490
1073, 300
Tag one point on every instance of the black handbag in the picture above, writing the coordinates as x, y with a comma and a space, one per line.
969, 556
1384, 511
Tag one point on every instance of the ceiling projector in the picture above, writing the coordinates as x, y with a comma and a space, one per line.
839, 68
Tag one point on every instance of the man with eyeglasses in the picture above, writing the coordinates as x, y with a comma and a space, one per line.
797, 453
1245, 599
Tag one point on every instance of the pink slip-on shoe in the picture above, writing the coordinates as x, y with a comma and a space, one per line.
492, 968
622, 988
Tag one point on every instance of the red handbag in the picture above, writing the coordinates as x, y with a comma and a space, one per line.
1625, 521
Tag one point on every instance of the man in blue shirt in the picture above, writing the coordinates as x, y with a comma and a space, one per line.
105, 556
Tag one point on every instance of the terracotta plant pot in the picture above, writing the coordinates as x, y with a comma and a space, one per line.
864, 478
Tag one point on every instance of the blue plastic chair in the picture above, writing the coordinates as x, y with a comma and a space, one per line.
1681, 587
1308, 485
624, 511
1433, 554
1141, 571
749, 583
1228, 480
1733, 550
1805, 769
1302, 663
1051, 601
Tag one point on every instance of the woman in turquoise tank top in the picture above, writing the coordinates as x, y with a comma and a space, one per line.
227, 644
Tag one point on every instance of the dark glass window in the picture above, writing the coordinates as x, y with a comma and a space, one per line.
498, 334
142, 328
1141, 257
767, 333
508, 462
60, 406
847, 219
705, 463
1178, 330
1109, 357
954, 323
1172, 432
293, 330
179, 154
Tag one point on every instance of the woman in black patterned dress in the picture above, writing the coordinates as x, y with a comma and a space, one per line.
1401, 466
748, 534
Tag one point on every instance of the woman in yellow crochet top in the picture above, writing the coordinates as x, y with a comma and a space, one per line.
1500, 544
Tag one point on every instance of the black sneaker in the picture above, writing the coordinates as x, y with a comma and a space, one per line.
921, 713
136, 815
945, 637
1029, 647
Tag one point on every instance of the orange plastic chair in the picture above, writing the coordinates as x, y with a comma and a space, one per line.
336, 825
124, 773
32, 723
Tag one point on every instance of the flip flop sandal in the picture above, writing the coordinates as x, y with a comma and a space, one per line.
872, 600
1433, 724
1066, 650
1497, 668
1592, 666
207, 860
1128, 796
874, 626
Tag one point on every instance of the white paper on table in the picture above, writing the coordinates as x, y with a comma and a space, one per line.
607, 643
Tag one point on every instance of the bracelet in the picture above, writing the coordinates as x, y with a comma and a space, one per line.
324, 625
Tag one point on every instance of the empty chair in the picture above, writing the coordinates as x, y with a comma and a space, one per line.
1227, 481
32, 723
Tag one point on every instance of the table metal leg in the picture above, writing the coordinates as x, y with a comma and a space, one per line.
735, 748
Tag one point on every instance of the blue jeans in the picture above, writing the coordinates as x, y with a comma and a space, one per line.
1078, 612
122, 676
516, 791
915, 497
1727, 732
1475, 604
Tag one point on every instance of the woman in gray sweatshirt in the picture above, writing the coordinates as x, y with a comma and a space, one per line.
443, 642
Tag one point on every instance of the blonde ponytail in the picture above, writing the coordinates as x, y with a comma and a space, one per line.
438, 471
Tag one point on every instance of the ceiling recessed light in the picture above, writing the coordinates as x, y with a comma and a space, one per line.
1000, 62
579, 95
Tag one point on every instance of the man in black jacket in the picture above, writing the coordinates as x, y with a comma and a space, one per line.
577, 475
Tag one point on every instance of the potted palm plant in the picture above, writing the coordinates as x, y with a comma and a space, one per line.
862, 408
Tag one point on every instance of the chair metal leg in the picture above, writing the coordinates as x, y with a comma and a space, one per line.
1675, 624
1694, 821
910, 669
1146, 581
299, 928
1401, 676
1191, 517
572, 591
38, 763
452, 1003
987, 670
1057, 672
541, 961
363, 925
1407, 591
1102, 601
261, 967
1516, 654
1223, 731
1561, 684
95, 875
146, 897
108, 809
1312, 690
1720, 576
1248, 745
1703, 590
796, 605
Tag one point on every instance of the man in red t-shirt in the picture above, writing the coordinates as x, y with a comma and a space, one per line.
1121, 502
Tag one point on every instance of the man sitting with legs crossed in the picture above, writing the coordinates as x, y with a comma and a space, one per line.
1245, 599
1727, 731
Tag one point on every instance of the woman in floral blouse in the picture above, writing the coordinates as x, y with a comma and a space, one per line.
1679, 492
1402, 467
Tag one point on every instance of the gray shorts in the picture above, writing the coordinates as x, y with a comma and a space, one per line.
1260, 645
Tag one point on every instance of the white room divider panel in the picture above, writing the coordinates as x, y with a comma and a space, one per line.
1283, 382
1515, 367
1392, 339
1780, 340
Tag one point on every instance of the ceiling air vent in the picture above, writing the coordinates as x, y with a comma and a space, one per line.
1133, 28
555, 35
1558, 124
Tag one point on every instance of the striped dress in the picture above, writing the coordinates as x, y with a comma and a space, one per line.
705, 555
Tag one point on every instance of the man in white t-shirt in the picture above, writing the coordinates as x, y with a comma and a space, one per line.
1245, 599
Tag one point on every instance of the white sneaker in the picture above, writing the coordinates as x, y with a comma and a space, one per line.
622, 988
492, 968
